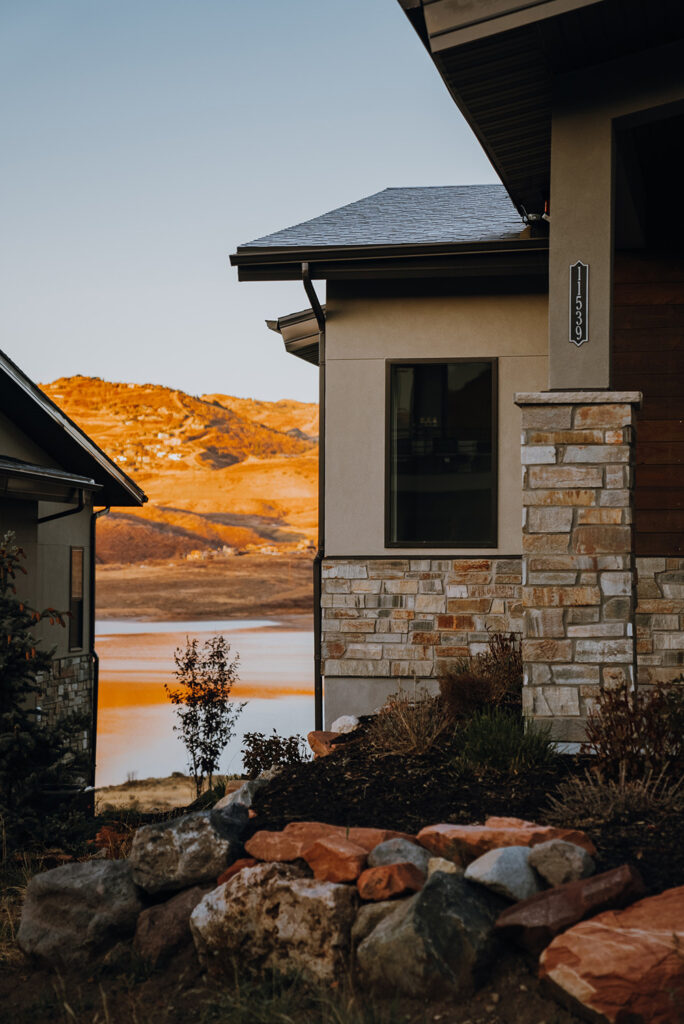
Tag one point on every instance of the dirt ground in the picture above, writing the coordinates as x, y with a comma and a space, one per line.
245, 586
151, 795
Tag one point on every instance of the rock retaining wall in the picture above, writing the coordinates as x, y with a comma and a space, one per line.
659, 619
68, 689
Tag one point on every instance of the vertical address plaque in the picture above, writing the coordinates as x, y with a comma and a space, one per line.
579, 303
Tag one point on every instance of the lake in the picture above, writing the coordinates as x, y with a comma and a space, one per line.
135, 737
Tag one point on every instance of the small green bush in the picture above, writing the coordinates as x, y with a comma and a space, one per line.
261, 752
636, 732
500, 739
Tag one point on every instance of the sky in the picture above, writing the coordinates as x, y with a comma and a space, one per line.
144, 140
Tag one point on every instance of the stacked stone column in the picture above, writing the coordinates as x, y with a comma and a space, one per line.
578, 559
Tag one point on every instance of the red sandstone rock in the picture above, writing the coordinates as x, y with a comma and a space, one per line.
388, 880
335, 859
623, 965
534, 922
244, 862
464, 843
298, 836
322, 742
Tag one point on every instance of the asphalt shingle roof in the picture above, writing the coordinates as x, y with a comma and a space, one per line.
396, 216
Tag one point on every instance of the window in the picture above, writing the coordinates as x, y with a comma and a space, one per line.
441, 486
76, 600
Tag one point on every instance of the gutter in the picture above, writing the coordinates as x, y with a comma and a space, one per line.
320, 553
93, 653
69, 512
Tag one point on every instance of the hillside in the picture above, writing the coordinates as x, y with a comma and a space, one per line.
221, 473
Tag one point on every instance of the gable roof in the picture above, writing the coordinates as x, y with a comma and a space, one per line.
401, 216
39, 418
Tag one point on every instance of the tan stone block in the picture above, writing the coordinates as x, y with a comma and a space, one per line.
596, 453
560, 597
597, 629
555, 477
610, 651
555, 579
448, 651
576, 675
462, 605
599, 516
615, 676
541, 417
565, 437
400, 586
358, 626
616, 476
428, 603
610, 416
615, 499
559, 563
549, 520
366, 586
536, 455
546, 650
592, 540
552, 701
615, 437
544, 622
546, 542
425, 638
335, 586
569, 496
466, 565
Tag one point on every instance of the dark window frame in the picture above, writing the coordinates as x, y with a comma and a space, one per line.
493, 542
76, 627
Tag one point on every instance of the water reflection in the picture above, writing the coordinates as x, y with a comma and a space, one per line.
135, 721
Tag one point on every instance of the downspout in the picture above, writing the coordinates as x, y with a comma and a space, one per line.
320, 553
69, 512
93, 653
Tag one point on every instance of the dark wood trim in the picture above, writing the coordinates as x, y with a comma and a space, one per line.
393, 556
417, 545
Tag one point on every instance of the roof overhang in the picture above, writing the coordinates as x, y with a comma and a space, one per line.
500, 59
26, 481
44, 422
300, 334
526, 256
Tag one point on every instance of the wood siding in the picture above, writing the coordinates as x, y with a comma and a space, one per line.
648, 356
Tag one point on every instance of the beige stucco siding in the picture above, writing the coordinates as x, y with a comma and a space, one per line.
362, 334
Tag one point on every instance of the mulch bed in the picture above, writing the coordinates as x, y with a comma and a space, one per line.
354, 786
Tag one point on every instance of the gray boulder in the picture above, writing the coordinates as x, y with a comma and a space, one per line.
244, 796
505, 871
164, 929
180, 853
438, 943
368, 917
558, 862
399, 851
77, 913
274, 918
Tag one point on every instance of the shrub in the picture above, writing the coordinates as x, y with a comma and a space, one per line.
261, 752
206, 713
491, 679
408, 724
499, 739
594, 800
637, 732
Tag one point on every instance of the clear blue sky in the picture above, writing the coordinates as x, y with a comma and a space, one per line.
143, 140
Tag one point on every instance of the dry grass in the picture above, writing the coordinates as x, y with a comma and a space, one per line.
595, 800
408, 723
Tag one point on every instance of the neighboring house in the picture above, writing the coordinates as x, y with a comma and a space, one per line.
51, 478
498, 355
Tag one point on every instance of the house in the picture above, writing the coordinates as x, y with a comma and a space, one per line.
52, 477
492, 356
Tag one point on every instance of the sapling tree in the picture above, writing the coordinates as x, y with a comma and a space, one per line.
33, 755
206, 712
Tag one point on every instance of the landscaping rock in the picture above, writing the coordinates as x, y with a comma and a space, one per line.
559, 862
180, 853
623, 965
244, 796
74, 914
387, 880
442, 864
506, 872
298, 836
368, 917
243, 862
272, 918
463, 843
534, 922
163, 930
345, 723
334, 859
399, 851
230, 822
438, 943
322, 742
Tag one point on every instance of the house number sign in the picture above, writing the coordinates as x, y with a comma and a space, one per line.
579, 303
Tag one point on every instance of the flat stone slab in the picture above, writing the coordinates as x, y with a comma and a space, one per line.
464, 843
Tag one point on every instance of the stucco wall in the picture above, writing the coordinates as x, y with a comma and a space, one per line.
362, 332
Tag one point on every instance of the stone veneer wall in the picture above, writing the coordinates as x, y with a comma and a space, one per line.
659, 619
578, 563
405, 617
69, 690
